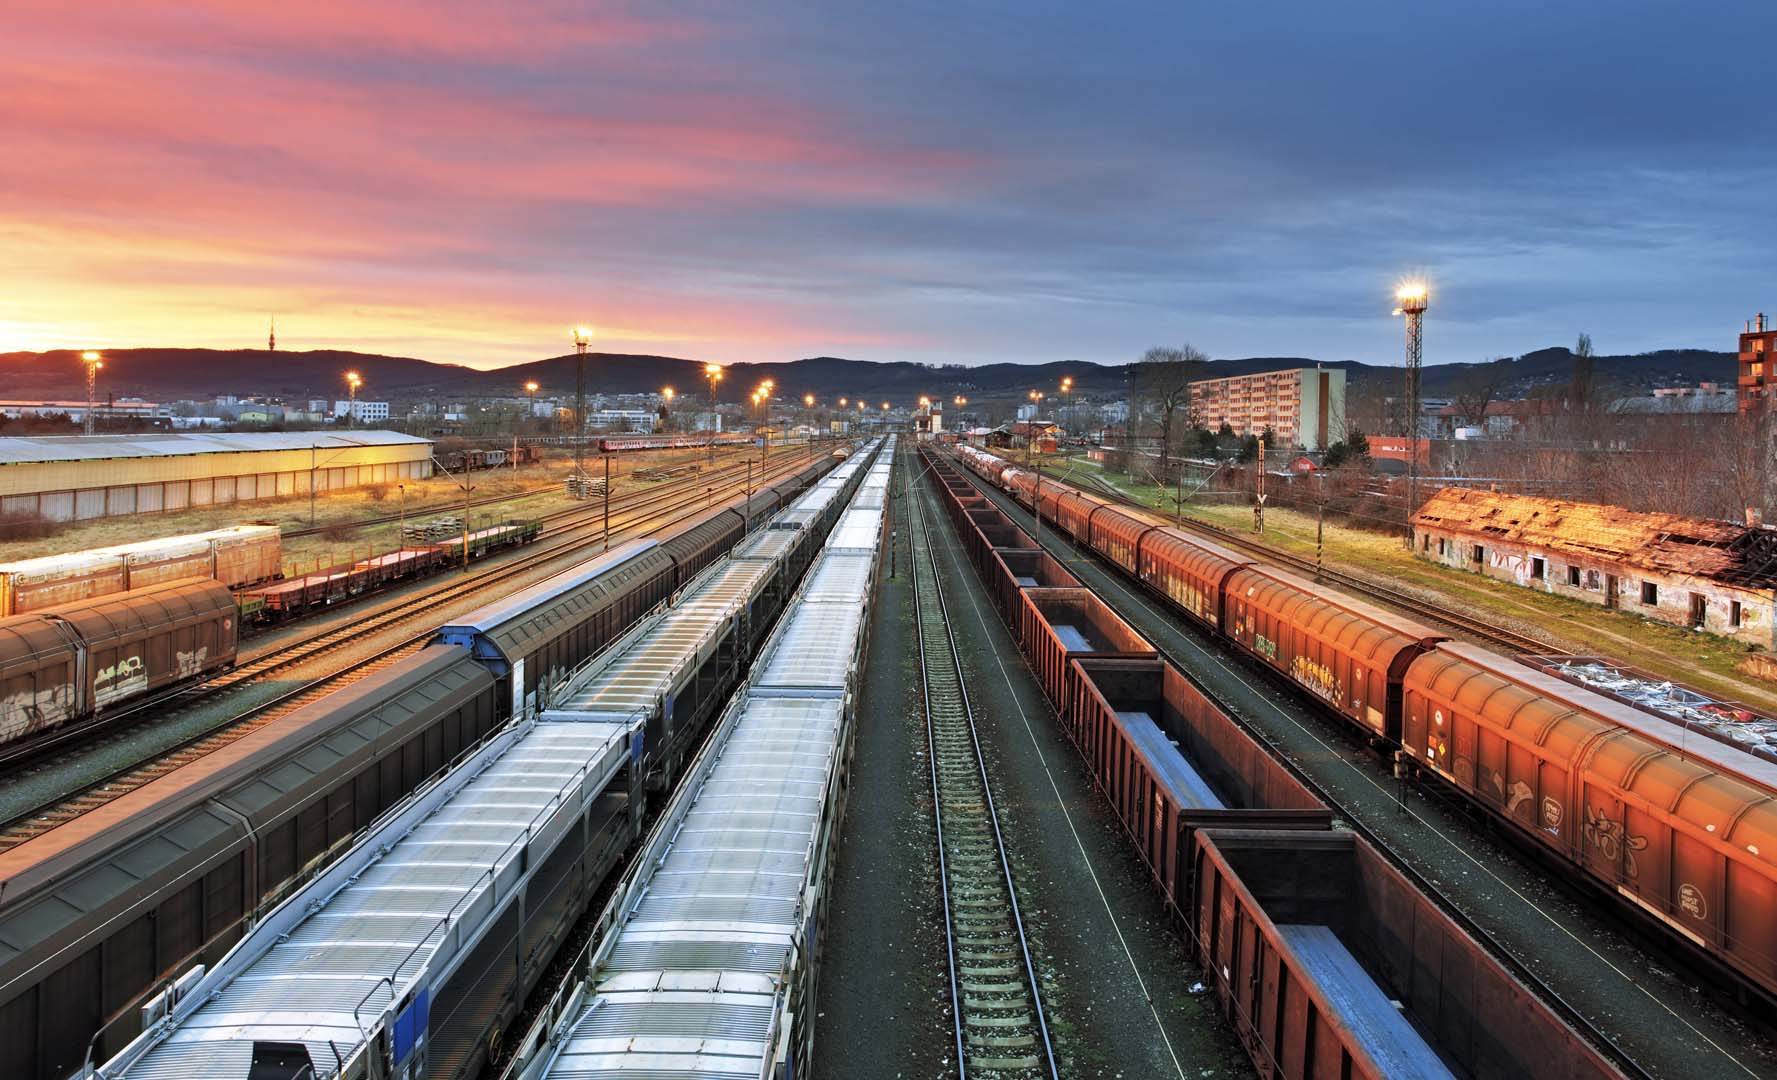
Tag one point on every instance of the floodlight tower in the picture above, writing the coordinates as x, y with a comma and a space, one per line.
582, 340
93, 362
1413, 298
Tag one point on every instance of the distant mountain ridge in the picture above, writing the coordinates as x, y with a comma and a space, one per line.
172, 374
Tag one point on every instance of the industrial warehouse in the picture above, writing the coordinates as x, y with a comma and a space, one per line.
79, 478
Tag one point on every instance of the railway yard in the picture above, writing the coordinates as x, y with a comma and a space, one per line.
867, 758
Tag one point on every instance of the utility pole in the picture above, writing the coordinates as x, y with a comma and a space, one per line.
1413, 298
1320, 517
607, 502
401, 490
1259, 510
468, 463
582, 339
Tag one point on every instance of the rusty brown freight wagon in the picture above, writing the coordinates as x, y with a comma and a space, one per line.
1311, 938
1170, 762
1684, 829
236, 556
1349, 654
71, 661
1059, 625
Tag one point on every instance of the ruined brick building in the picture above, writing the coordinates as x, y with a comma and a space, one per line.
1718, 576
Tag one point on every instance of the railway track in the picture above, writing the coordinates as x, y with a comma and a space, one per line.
1141, 609
453, 507
1510, 640
641, 518
996, 1003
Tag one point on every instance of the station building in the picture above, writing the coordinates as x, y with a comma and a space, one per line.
80, 477
1718, 576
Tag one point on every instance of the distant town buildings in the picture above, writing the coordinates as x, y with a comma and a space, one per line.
1302, 406
362, 412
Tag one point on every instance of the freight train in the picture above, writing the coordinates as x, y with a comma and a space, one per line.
1685, 832
99, 914
614, 444
489, 458
1278, 906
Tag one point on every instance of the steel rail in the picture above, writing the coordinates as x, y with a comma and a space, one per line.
19, 754
1149, 609
1497, 635
71, 805
996, 1006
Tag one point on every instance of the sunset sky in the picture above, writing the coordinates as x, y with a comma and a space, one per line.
912, 181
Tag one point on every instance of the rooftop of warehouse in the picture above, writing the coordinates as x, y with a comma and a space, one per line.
1729, 552
36, 449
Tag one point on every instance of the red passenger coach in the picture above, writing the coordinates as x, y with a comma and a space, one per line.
1188, 571
1349, 654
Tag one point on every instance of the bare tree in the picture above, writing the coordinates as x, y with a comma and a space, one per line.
1478, 390
1166, 377
1579, 393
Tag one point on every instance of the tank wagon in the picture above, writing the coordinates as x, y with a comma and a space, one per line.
71, 662
1680, 828
103, 913
1308, 978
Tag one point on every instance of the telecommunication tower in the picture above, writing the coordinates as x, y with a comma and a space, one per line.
271, 339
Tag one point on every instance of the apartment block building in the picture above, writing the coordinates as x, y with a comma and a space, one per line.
1302, 406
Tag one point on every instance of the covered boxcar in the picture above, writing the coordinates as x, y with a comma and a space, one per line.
1687, 832
1350, 654
100, 912
236, 556
72, 661
537, 635
1189, 571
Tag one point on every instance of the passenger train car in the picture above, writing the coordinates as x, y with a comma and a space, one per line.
1683, 830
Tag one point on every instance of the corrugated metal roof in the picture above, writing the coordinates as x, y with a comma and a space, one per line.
693, 979
38, 449
1665, 543
420, 903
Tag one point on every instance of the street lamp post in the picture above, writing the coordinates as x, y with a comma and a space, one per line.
1413, 297
352, 381
1067, 388
582, 340
93, 362
714, 373
530, 389
666, 395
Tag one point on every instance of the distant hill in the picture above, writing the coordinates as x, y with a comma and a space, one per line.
172, 374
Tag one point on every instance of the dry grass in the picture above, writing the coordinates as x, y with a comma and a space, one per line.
1703, 661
